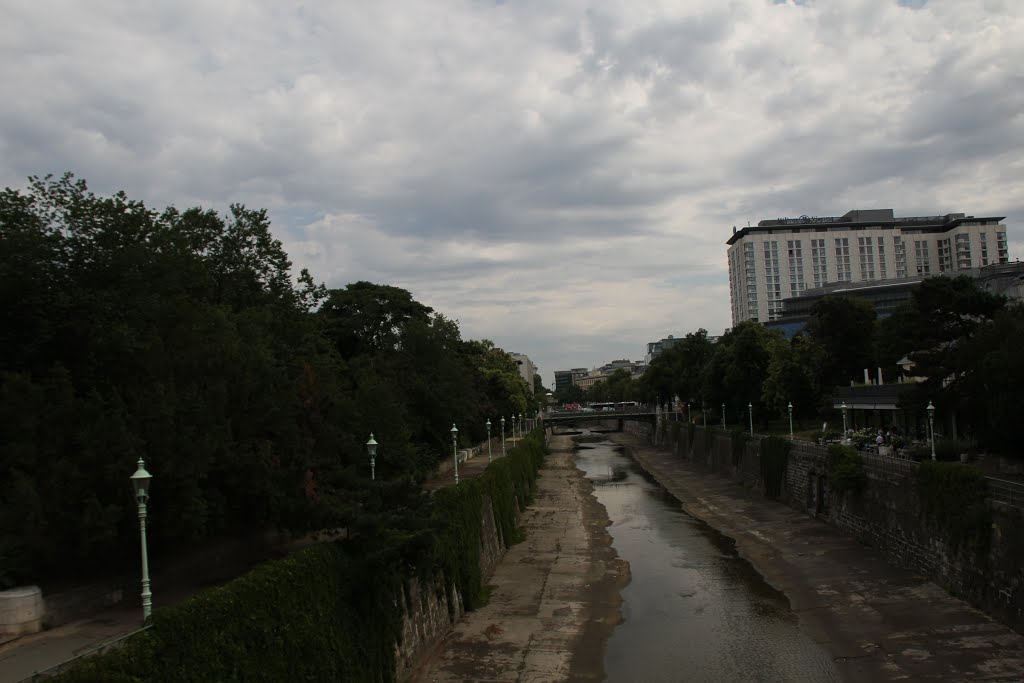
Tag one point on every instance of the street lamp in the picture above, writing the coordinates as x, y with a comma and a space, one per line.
371, 449
140, 484
843, 408
488, 440
723, 417
750, 414
512, 421
931, 425
502, 437
455, 450
790, 406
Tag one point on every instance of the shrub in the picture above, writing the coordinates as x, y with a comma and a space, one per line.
845, 469
332, 611
738, 441
774, 459
948, 450
953, 496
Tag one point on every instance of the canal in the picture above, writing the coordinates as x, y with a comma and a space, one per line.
694, 610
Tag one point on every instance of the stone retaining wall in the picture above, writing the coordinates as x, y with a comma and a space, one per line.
886, 515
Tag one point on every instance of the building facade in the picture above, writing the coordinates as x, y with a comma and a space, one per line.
526, 368
781, 258
655, 348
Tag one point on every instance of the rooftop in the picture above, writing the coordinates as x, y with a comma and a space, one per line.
858, 218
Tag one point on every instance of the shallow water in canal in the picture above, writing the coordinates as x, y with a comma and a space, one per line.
694, 610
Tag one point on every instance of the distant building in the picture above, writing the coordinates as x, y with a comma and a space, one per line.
1002, 279
563, 379
781, 258
655, 348
526, 368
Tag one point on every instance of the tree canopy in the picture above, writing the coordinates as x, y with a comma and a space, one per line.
183, 337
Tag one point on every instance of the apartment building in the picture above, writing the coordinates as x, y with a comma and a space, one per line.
780, 258
526, 368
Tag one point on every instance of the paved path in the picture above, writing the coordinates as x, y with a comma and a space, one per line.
554, 598
878, 622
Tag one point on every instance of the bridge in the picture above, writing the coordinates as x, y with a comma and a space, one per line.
635, 414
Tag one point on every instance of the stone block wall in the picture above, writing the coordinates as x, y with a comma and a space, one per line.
428, 617
886, 515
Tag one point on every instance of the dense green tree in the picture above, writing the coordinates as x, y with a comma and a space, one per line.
183, 337
946, 315
843, 328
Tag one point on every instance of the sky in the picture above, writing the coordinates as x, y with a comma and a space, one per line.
559, 176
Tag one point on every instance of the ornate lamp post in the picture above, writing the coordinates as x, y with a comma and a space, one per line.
750, 414
140, 484
931, 426
371, 450
843, 408
503, 437
488, 440
790, 406
455, 450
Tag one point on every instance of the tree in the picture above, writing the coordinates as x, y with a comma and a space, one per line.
843, 329
947, 314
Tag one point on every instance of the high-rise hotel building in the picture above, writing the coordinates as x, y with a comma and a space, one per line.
779, 258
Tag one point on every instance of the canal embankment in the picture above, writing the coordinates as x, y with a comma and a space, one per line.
553, 599
877, 621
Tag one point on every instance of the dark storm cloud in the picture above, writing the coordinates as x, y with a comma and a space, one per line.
561, 178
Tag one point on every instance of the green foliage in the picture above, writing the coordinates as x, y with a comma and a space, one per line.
185, 338
709, 439
739, 439
330, 612
320, 614
842, 327
774, 459
845, 469
953, 497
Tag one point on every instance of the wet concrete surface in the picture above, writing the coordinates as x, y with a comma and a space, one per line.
878, 622
554, 597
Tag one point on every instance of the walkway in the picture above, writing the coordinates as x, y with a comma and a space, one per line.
879, 623
554, 597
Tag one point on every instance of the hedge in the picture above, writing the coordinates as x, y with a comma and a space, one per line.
329, 612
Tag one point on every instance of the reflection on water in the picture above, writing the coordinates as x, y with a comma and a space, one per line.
694, 610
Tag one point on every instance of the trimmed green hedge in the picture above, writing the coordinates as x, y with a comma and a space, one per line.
331, 612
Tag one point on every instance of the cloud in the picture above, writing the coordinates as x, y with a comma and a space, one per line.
559, 177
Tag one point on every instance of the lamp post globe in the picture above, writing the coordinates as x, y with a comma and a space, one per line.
140, 486
790, 407
455, 450
371, 450
931, 426
503, 436
488, 440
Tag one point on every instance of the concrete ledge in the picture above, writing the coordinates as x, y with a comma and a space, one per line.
21, 611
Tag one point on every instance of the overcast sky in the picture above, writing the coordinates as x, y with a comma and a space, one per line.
560, 177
